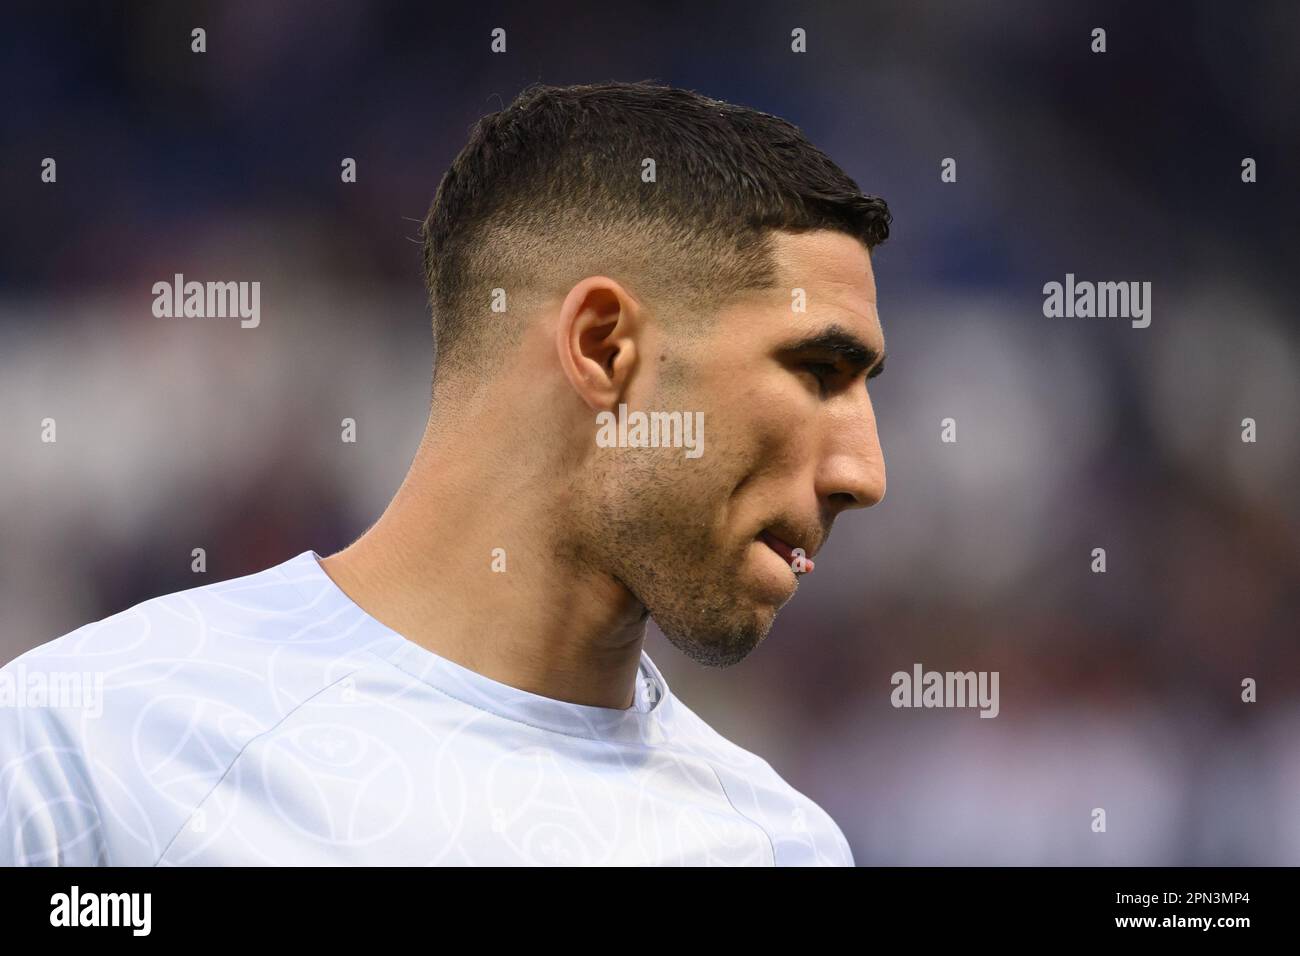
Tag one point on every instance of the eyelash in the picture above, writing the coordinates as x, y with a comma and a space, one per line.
821, 369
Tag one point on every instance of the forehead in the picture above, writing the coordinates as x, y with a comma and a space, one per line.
839, 288
834, 262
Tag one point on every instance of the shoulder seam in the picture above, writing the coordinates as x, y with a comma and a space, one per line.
835, 827
718, 777
248, 743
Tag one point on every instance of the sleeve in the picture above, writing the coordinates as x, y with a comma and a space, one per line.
48, 814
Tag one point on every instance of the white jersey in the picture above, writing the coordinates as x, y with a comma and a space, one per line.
269, 720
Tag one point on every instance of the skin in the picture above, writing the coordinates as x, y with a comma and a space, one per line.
599, 539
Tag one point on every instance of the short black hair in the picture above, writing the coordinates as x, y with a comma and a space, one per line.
553, 188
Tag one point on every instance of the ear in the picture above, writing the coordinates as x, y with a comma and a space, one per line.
596, 340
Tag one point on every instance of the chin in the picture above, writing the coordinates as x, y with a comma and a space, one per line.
721, 643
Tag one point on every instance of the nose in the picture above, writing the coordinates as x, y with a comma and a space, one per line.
851, 469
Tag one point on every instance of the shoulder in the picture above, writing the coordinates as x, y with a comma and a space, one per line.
802, 833
111, 734
220, 641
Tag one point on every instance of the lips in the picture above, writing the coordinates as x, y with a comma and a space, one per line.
798, 563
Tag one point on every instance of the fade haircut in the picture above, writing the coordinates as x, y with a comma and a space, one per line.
552, 189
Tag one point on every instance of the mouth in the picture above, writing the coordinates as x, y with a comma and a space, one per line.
794, 557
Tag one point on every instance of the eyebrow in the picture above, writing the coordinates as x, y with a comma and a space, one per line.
845, 345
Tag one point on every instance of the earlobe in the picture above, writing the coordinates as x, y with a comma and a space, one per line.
596, 340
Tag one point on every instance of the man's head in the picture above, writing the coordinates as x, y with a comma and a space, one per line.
661, 250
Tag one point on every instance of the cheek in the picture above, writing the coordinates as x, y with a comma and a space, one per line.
752, 473
774, 431
782, 403
756, 436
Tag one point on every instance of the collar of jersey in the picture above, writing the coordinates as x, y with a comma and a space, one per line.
644, 722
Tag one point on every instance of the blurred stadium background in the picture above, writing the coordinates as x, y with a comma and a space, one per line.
1118, 690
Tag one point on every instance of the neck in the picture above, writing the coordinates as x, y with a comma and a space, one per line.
465, 563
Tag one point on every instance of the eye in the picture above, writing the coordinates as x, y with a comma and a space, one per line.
823, 371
